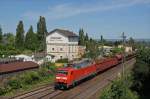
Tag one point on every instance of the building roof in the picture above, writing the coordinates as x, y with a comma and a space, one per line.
66, 33
17, 66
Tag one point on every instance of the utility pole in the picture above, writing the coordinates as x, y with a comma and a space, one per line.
123, 60
45, 49
102, 44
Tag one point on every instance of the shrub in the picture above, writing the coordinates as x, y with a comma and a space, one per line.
26, 78
34, 76
52, 68
118, 90
2, 91
65, 60
14, 84
43, 72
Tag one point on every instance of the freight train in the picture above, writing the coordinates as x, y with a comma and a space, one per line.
72, 74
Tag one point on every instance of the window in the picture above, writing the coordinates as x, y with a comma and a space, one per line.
62, 72
60, 57
52, 57
53, 49
61, 49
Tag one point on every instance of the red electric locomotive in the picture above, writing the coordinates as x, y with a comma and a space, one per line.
73, 73
70, 75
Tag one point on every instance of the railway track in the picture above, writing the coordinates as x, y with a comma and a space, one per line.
34, 93
82, 91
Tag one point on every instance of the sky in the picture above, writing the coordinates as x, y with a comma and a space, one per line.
97, 17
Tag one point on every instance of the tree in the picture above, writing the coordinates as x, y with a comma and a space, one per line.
19, 41
92, 49
102, 45
41, 33
1, 35
9, 39
81, 37
86, 37
131, 42
141, 73
31, 40
101, 38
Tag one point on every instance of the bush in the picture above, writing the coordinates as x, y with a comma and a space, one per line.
118, 90
65, 60
14, 84
43, 72
34, 76
26, 79
3, 91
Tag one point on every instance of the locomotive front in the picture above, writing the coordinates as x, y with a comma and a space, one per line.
62, 79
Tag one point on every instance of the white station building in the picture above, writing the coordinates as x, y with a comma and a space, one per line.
62, 44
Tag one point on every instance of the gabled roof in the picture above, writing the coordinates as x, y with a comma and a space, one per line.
66, 33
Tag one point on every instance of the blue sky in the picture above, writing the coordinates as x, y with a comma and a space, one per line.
97, 17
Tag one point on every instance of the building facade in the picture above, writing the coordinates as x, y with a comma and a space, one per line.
62, 44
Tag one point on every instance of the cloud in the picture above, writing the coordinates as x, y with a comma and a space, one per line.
67, 10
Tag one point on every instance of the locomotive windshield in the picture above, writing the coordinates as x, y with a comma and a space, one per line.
62, 72
82, 64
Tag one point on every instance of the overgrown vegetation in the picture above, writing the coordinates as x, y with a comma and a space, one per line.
119, 89
117, 50
141, 73
28, 79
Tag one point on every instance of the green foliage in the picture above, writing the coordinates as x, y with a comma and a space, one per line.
8, 50
27, 52
51, 66
143, 54
43, 72
116, 43
3, 90
81, 37
9, 39
131, 42
119, 89
19, 40
65, 60
117, 50
86, 37
141, 73
92, 49
14, 84
41, 33
27, 79
31, 40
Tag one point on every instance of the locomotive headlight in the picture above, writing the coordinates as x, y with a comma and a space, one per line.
65, 78
57, 77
